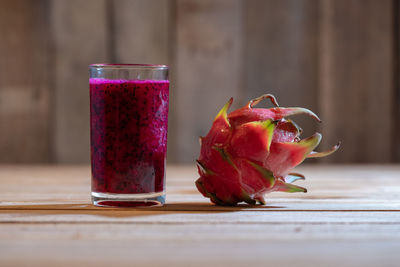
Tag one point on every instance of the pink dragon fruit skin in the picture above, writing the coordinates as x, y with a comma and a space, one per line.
251, 151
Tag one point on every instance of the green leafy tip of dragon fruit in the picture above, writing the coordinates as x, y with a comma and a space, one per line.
251, 151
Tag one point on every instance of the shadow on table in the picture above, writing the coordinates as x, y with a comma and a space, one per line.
89, 209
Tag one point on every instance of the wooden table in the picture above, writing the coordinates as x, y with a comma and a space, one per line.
349, 217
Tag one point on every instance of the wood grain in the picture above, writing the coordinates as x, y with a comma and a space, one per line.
356, 81
79, 31
281, 54
140, 31
24, 82
396, 71
207, 65
349, 217
338, 58
348, 187
236, 245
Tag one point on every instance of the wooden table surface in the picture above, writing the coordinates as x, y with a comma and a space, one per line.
349, 217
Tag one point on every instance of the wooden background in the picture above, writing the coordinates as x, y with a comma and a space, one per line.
336, 57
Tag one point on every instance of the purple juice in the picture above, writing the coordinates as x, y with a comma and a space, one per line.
129, 123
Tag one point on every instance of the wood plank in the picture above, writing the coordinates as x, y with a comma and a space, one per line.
198, 204
140, 31
80, 38
281, 54
330, 188
207, 66
396, 10
24, 82
46, 220
321, 253
226, 217
198, 245
200, 232
357, 59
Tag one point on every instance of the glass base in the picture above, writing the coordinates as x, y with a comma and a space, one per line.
128, 200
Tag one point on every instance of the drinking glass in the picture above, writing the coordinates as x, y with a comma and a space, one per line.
128, 130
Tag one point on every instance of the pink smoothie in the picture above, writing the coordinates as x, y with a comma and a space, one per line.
129, 123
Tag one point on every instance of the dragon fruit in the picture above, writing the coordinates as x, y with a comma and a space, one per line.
251, 152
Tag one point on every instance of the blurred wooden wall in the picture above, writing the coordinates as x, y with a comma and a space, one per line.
339, 58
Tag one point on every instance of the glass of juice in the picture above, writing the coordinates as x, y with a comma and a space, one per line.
128, 127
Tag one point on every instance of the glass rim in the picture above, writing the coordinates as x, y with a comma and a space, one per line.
128, 66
